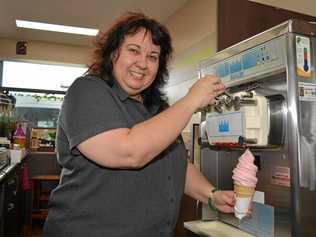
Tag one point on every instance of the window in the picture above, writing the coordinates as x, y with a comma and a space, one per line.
38, 109
25, 75
38, 89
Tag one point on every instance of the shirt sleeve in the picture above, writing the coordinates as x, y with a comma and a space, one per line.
90, 107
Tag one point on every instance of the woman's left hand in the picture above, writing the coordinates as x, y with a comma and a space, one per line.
224, 201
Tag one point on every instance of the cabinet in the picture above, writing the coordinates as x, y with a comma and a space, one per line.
1, 208
10, 200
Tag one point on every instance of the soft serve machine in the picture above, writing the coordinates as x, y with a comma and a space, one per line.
269, 106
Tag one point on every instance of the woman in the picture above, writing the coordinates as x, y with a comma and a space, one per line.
124, 165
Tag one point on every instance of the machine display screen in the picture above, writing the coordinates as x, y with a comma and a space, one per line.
225, 127
258, 60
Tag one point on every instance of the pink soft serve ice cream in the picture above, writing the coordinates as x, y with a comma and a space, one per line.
245, 172
245, 181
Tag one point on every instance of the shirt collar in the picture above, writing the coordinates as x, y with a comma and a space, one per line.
119, 91
124, 96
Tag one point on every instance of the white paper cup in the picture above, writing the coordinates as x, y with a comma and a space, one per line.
242, 206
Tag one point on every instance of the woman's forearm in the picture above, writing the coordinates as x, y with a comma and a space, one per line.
196, 185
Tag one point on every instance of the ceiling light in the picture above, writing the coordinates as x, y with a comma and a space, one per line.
54, 27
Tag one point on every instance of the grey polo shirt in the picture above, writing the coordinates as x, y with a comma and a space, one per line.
92, 200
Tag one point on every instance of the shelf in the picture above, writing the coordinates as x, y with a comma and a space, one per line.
43, 152
44, 198
41, 195
45, 178
39, 214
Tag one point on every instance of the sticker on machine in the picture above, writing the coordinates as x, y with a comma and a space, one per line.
281, 176
307, 91
303, 56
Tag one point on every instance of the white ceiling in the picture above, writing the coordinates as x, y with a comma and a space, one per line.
98, 14
82, 13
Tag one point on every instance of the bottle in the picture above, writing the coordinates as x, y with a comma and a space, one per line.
34, 140
19, 136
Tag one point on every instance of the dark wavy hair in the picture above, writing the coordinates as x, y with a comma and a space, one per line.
108, 42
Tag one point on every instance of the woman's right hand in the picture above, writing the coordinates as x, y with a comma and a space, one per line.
204, 91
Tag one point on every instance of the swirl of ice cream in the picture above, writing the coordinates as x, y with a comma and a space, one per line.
245, 171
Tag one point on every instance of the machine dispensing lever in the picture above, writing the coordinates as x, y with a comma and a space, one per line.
248, 94
238, 102
243, 141
218, 106
223, 99
248, 102
225, 93
226, 99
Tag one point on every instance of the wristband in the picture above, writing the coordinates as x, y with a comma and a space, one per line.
210, 201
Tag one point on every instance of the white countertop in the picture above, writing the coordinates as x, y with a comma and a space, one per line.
214, 229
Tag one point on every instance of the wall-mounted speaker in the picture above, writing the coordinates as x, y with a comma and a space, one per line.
21, 47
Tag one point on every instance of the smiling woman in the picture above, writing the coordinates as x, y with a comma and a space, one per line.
124, 163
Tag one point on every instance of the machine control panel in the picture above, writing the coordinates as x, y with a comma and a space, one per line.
237, 69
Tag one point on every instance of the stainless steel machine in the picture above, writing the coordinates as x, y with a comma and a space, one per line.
269, 106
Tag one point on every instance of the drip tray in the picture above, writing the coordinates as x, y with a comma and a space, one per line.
214, 229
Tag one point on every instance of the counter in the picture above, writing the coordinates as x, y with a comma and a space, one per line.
11, 200
214, 228
42, 152
6, 170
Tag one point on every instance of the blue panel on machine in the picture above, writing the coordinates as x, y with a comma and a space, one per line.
223, 70
235, 66
249, 60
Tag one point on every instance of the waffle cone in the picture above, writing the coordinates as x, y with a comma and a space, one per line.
243, 191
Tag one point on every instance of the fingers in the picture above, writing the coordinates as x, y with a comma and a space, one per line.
217, 85
226, 209
212, 79
225, 201
219, 88
228, 197
204, 91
